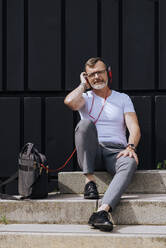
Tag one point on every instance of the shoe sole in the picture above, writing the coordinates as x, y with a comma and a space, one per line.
91, 197
103, 227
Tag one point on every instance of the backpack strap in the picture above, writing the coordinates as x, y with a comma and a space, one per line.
28, 147
9, 180
7, 197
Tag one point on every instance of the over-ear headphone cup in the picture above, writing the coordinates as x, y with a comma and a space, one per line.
110, 73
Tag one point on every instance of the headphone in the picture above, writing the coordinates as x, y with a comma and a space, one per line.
109, 70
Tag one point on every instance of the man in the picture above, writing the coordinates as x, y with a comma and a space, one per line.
100, 137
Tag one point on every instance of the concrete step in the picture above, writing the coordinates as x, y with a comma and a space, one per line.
147, 181
144, 209
82, 236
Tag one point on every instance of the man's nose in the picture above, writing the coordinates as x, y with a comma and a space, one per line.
96, 75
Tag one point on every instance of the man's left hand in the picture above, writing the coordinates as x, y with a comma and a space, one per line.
128, 152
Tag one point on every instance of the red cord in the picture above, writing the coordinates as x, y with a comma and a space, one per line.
91, 106
100, 111
95, 121
60, 168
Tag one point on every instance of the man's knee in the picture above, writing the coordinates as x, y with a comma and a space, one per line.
128, 164
131, 165
85, 126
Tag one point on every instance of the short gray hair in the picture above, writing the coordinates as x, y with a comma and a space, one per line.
92, 61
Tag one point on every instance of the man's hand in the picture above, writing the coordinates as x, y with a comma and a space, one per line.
128, 152
75, 99
84, 80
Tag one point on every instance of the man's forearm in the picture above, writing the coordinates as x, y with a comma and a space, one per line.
134, 136
133, 128
74, 99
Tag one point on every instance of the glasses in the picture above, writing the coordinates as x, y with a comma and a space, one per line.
93, 74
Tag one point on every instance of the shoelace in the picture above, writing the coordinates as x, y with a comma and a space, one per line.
105, 215
92, 187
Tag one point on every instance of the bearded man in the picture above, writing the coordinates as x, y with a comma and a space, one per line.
100, 137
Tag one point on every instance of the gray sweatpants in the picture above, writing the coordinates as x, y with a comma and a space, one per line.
93, 156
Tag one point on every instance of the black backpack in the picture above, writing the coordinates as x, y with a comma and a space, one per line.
32, 174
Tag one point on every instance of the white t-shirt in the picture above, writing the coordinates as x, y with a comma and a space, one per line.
110, 125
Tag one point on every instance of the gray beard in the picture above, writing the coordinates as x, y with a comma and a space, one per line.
99, 86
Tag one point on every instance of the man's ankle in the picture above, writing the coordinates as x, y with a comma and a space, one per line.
89, 178
104, 207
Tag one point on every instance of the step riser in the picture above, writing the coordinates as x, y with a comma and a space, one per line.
77, 211
140, 213
82, 241
152, 182
48, 212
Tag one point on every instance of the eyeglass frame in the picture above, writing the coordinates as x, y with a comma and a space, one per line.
99, 73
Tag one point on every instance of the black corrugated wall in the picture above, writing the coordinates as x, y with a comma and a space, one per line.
43, 46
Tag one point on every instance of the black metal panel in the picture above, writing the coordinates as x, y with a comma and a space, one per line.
15, 44
10, 135
110, 37
81, 37
138, 44
44, 50
32, 121
1, 48
12, 188
160, 132
162, 47
40, 40
143, 108
1, 189
59, 133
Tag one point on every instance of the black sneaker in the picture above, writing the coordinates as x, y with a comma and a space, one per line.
90, 191
101, 221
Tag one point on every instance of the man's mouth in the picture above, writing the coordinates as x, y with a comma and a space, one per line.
99, 82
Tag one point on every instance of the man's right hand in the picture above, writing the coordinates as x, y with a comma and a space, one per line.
75, 99
128, 152
84, 80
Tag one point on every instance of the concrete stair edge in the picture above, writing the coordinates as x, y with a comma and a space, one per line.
72, 209
64, 236
145, 181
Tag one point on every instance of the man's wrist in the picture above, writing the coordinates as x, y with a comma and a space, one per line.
83, 86
131, 146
